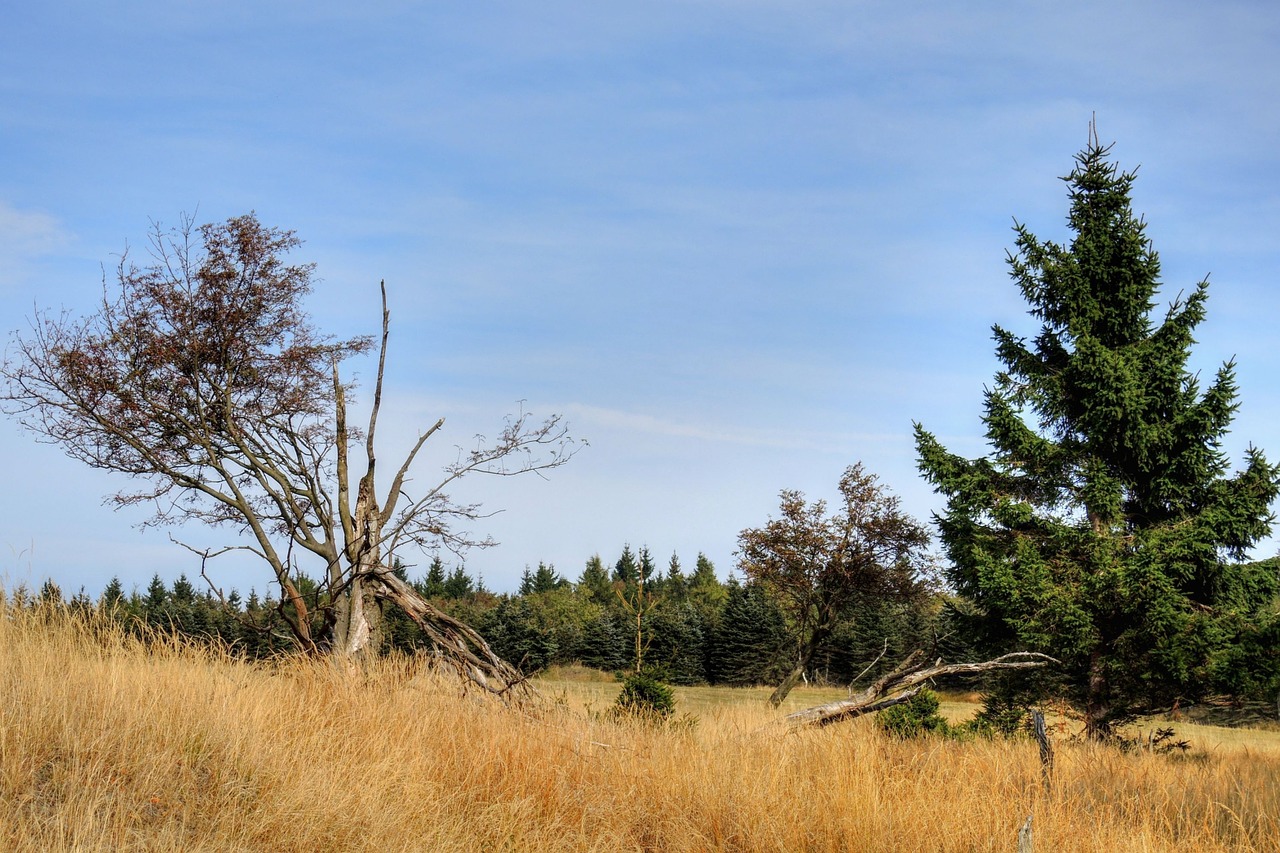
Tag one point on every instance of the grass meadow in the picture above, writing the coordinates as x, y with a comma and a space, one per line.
110, 744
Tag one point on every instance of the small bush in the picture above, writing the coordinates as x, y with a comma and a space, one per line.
916, 717
1001, 716
644, 695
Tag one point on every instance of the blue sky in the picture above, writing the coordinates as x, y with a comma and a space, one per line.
739, 245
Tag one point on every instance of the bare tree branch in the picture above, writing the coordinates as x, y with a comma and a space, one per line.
900, 685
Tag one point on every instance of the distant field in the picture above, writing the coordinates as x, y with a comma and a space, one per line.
106, 745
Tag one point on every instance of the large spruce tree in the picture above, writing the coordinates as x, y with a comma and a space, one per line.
1106, 528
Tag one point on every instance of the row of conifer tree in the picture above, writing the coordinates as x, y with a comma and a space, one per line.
692, 627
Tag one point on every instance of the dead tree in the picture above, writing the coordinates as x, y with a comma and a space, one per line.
202, 378
903, 683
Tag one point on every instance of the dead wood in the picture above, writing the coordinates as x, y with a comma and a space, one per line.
459, 645
905, 681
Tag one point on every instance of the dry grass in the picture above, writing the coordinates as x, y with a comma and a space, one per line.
106, 746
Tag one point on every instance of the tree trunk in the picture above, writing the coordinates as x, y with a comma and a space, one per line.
358, 629
1097, 713
458, 644
793, 678
807, 651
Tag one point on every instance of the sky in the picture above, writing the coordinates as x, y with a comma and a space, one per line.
739, 246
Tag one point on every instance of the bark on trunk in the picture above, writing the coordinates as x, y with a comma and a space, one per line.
358, 629
361, 582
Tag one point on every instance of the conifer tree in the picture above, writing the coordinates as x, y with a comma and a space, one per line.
157, 597
706, 591
677, 645
605, 641
183, 591
51, 593
674, 584
625, 570
459, 584
594, 582
749, 637
547, 579
113, 595
432, 585
647, 568
1105, 528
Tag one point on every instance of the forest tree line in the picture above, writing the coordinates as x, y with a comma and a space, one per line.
694, 627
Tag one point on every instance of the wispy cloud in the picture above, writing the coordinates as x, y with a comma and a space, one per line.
619, 419
26, 236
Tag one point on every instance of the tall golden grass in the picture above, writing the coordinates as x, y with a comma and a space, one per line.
110, 744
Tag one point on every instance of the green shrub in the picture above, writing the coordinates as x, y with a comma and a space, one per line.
916, 717
1001, 716
645, 696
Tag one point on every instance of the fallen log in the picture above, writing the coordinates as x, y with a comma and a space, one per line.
905, 681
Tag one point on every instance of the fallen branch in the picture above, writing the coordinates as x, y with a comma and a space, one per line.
904, 682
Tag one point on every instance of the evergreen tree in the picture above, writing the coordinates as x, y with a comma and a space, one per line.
113, 595
606, 641
433, 585
51, 593
459, 584
750, 637
183, 591
675, 585
1102, 528
625, 570
648, 569
518, 634
547, 579
81, 601
594, 582
706, 592
706, 595
676, 643
154, 603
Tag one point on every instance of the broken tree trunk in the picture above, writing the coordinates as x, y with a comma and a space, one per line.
458, 644
904, 682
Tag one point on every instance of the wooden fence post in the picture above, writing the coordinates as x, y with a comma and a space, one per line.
1046, 750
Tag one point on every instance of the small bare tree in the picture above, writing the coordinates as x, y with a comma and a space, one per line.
201, 376
815, 563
